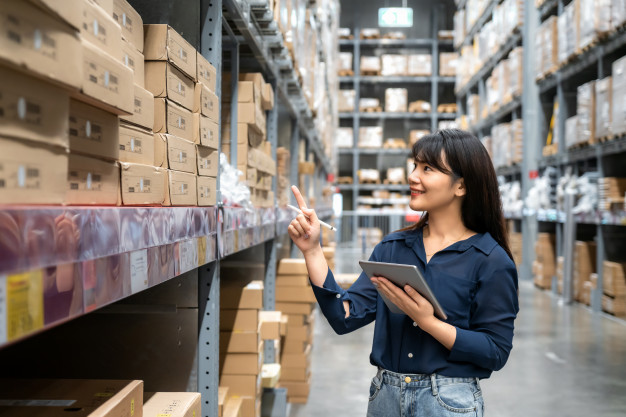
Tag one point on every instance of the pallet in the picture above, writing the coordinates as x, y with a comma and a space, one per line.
372, 73
369, 181
345, 180
418, 107
366, 37
447, 108
395, 36
345, 73
349, 37
581, 145
606, 138
376, 109
389, 182
394, 144
549, 150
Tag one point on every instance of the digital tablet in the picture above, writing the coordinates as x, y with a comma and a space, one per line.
402, 275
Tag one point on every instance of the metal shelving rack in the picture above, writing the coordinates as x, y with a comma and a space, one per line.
156, 267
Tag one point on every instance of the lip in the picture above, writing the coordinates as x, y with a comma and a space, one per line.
417, 192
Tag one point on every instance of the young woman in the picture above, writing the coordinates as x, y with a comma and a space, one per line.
426, 366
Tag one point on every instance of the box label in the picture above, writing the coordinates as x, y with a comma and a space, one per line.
24, 294
85, 129
175, 87
138, 270
3, 309
91, 181
28, 35
175, 120
131, 144
177, 49
138, 184
15, 175
188, 255
100, 76
202, 248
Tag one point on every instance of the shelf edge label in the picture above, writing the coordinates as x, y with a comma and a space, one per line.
138, 270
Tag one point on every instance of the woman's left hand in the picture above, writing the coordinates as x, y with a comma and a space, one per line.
408, 300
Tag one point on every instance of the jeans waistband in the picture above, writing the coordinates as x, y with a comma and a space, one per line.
420, 380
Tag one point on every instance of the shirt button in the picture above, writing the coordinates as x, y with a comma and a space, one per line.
414, 324
338, 296
407, 379
410, 355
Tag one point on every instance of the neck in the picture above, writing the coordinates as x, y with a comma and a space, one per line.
445, 225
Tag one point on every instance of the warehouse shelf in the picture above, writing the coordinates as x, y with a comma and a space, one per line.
513, 214
600, 217
286, 215
375, 151
548, 8
391, 42
398, 115
385, 211
374, 187
509, 170
480, 22
489, 121
612, 147
396, 79
488, 66
383, 201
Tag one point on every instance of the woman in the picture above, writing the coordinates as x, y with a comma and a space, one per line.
426, 366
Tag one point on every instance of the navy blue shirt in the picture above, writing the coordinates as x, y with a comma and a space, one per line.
475, 282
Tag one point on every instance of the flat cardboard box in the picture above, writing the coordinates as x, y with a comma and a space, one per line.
255, 77
296, 389
251, 406
206, 131
242, 385
136, 145
130, 21
163, 43
24, 26
206, 73
295, 308
295, 295
143, 113
270, 324
239, 342
174, 153
208, 161
234, 294
299, 333
32, 109
205, 101
242, 363
99, 28
291, 266
91, 181
293, 345
106, 82
172, 404
239, 319
133, 59
93, 131
58, 8
292, 280
142, 185
248, 92
294, 374
207, 191
297, 360
267, 97
164, 80
232, 408
171, 118
213, 105
181, 189
32, 173
222, 397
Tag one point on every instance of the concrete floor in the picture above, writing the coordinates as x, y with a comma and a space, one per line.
566, 361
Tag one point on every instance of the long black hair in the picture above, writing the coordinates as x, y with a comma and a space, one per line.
467, 158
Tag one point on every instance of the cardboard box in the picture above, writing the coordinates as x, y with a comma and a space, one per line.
296, 389
31, 173
162, 43
207, 191
206, 73
239, 342
420, 65
295, 374
143, 113
222, 398
251, 406
24, 26
235, 295
270, 374
251, 114
255, 77
58, 8
106, 5
174, 153
604, 100
295, 308
297, 360
207, 130
248, 92
91, 181
299, 333
448, 64
208, 161
212, 105
171, 118
239, 319
106, 82
142, 185
270, 324
205, 102
133, 59
292, 281
164, 80
586, 112
290, 266
130, 22
136, 145
242, 363
242, 385
93, 131
32, 109
267, 97
232, 408
99, 28
172, 404
295, 295
618, 117
181, 189
106, 398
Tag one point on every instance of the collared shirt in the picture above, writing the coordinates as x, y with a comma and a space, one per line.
475, 282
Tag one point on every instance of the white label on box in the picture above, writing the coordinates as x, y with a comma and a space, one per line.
188, 255
138, 270
3, 309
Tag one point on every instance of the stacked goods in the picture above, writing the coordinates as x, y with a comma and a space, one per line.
368, 176
604, 99
370, 33
506, 146
283, 186
611, 190
568, 26
544, 266
595, 21
344, 33
346, 280
614, 288
547, 48
271, 328
571, 131
618, 14
345, 64
460, 30
241, 347
584, 266
393, 65
346, 101
370, 65
515, 243
371, 137
448, 64
394, 143
415, 135
369, 105
345, 137
515, 74
473, 109
295, 299
618, 116
396, 176
396, 100
369, 237
586, 113
420, 106
420, 65
517, 146
173, 404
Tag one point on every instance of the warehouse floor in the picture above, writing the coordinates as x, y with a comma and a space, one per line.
566, 361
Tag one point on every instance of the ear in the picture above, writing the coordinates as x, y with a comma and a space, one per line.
459, 188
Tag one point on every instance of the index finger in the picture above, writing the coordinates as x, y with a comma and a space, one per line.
299, 198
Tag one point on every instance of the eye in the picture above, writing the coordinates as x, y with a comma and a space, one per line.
427, 168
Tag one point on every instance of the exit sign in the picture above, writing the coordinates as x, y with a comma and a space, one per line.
395, 17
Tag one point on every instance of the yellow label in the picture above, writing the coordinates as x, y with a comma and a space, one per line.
201, 250
165, 415
132, 407
24, 303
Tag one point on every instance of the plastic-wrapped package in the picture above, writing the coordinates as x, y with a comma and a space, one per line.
233, 191
344, 33
515, 70
587, 193
513, 15
492, 94
396, 100
459, 28
370, 33
539, 195
447, 124
415, 135
448, 64
618, 13
394, 64
473, 109
603, 107
345, 137
396, 175
539, 46
568, 31
504, 93
550, 48
517, 145
346, 100
368, 175
571, 131
371, 137
370, 65
585, 110
618, 118
420, 65
345, 62
369, 104
595, 20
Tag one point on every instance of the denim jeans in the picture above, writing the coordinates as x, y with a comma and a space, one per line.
417, 395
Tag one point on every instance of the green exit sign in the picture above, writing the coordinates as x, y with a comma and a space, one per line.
395, 17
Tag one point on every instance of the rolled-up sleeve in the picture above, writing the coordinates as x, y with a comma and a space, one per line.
489, 340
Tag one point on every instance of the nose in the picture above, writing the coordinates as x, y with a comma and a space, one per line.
414, 177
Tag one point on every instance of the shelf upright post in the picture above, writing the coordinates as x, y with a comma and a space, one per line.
434, 84
356, 125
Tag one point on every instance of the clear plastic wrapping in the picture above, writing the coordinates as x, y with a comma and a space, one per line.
369, 103
595, 20
618, 13
473, 109
345, 137
420, 65
394, 64
345, 61
368, 175
515, 70
568, 31
396, 100
346, 100
603, 107
396, 175
370, 64
571, 131
371, 137
459, 28
585, 110
448, 64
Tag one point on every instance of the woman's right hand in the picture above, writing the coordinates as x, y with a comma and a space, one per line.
304, 230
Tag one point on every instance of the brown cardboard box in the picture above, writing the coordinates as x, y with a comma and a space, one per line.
251, 114
295, 308
618, 118
122, 398
106, 5
213, 105
604, 101
58, 8
136, 145
165, 80
32, 109
290, 266
171, 118
251, 406
235, 295
239, 319
91, 181
232, 408
448, 64
143, 114
292, 280
297, 360
99, 28
130, 22
174, 153
106, 82
270, 324
172, 404
239, 342
222, 398
31, 173
242, 385
267, 97
93, 131
255, 77
206, 73
420, 65
133, 59
182, 189
613, 278
208, 161
248, 92
142, 185
586, 112
295, 295
206, 131
295, 374
162, 43
299, 333
296, 389
24, 26
207, 191
205, 102
242, 363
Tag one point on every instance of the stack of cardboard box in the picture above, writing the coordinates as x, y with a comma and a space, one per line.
544, 267
611, 190
295, 299
515, 242
614, 288
271, 328
618, 87
584, 266
173, 404
283, 161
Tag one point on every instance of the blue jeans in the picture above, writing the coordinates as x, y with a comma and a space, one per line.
423, 395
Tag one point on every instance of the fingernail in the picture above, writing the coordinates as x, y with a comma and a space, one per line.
306, 236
